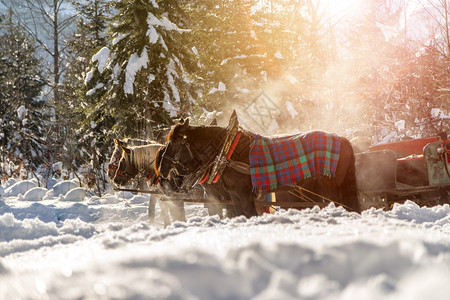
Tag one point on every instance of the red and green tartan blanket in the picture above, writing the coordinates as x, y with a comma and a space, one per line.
279, 161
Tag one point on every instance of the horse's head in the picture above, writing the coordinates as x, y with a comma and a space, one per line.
120, 169
115, 158
177, 157
168, 185
130, 157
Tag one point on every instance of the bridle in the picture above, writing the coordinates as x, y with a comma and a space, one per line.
175, 160
120, 172
210, 159
192, 174
113, 168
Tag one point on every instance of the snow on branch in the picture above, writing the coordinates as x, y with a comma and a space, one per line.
135, 63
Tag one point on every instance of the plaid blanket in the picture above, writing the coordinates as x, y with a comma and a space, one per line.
279, 161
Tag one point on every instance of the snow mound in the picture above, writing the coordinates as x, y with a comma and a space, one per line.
61, 188
105, 199
19, 188
51, 182
75, 195
28, 229
139, 199
3, 269
32, 234
410, 211
9, 182
35, 194
125, 195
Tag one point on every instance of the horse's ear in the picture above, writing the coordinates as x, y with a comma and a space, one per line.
125, 149
184, 126
119, 142
213, 122
181, 120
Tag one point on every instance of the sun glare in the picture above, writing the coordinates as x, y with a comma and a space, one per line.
339, 8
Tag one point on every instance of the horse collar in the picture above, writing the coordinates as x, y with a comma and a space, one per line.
233, 145
223, 159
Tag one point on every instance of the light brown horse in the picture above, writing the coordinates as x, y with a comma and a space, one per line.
137, 162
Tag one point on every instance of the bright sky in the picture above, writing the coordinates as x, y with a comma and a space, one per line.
338, 8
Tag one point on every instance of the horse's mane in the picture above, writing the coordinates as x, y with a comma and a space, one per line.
145, 154
171, 133
138, 142
159, 154
131, 142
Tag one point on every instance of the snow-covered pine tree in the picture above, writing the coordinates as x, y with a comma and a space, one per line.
82, 44
139, 83
229, 57
245, 47
22, 122
82, 148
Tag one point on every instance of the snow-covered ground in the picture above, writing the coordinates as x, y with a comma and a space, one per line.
64, 244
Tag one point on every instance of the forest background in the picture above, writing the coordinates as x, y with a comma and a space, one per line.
76, 74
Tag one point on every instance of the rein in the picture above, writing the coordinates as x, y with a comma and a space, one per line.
303, 196
193, 178
138, 191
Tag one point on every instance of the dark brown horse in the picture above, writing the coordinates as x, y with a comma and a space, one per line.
190, 150
213, 192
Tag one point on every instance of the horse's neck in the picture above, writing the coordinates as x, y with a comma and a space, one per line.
143, 157
241, 152
138, 142
215, 135
209, 134
207, 138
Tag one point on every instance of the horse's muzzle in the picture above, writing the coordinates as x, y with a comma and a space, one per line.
164, 172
